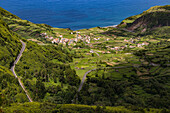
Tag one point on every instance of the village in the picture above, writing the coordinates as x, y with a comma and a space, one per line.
128, 43
65, 41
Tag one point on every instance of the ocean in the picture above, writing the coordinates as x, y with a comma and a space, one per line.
78, 14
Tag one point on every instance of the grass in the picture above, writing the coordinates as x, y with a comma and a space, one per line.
51, 83
38, 107
81, 73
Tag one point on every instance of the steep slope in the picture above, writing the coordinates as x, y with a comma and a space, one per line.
44, 70
9, 44
46, 73
25, 28
151, 20
10, 90
154, 17
5, 13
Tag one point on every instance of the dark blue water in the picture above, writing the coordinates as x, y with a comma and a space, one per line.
78, 14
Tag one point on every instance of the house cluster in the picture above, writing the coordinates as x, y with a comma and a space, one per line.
142, 44
64, 41
104, 52
96, 39
130, 40
134, 42
131, 46
44, 35
107, 39
118, 48
139, 45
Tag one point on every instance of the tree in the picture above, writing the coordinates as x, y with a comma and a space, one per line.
40, 89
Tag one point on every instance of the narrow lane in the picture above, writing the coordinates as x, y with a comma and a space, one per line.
83, 80
13, 70
119, 67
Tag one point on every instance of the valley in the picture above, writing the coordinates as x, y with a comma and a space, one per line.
125, 68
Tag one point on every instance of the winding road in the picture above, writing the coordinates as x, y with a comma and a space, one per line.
84, 77
119, 67
13, 70
83, 80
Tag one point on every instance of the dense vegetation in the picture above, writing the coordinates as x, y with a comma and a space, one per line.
25, 28
10, 90
5, 13
46, 73
9, 44
36, 107
151, 20
43, 69
144, 86
154, 17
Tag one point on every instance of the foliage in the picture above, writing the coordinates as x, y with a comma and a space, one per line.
5, 13
153, 17
9, 44
43, 67
10, 90
143, 86
75, 108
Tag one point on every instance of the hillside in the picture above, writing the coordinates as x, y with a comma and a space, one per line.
46, 73
154, 17
5, 13
40, 69
9, 44
10, 90
151, 20
24, 28
76, 108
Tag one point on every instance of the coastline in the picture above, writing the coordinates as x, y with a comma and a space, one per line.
114, 26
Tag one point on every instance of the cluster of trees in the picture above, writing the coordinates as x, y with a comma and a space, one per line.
132, 90
10, 90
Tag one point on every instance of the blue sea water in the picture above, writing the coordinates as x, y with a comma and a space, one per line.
78, 14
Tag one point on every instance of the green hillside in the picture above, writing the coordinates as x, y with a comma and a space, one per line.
156, 16
40, 68
25, 28
36, 107
5, 13
10, 90
9, 44
47, 66
145, 85
151, 20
